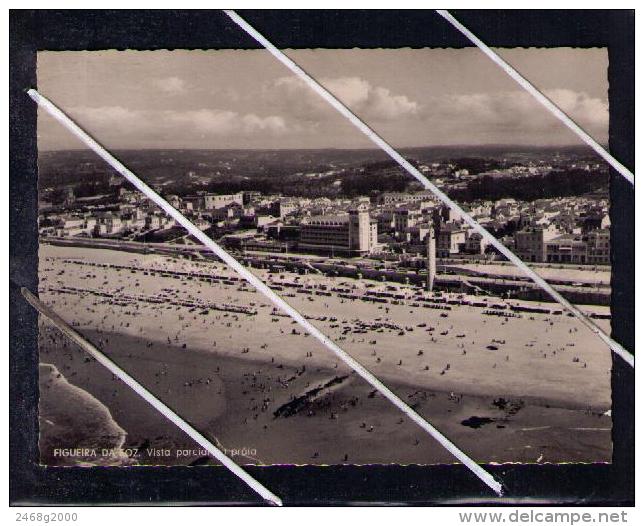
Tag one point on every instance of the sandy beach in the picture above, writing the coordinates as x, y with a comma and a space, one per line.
75, 426
507, 381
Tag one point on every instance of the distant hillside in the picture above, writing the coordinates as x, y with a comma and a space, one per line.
310, 173
554, 184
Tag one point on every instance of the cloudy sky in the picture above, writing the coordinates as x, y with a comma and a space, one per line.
247, 99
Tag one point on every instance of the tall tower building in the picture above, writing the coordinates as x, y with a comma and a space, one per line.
431, 258
359, 231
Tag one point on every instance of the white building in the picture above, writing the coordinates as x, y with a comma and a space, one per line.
353, 233
530, 243
215, 201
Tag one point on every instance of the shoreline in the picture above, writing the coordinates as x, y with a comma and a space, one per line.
446, 412
529, 388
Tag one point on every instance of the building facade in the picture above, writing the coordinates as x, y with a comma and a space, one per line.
215, 201
353, 233
599, 247
569, 248
450, 240
405, 219
392, 198
530, 243
590, 249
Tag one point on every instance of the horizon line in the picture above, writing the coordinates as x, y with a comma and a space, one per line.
485, 145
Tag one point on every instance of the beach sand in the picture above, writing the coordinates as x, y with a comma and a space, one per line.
529, 389
68, 416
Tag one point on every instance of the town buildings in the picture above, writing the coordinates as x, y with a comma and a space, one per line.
569, 230
592, 248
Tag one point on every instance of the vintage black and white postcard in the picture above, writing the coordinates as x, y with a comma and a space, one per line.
423, 278
255, 159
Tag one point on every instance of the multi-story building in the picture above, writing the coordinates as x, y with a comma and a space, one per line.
250, 196
385, 220
404, 218
215, 201
599, 247
256, 221
417, 234
225, 213
392, 198
282, 232
530, 243
449, 240
132, 219
568, 248
107, 223
156, 220
475, 244
283, 207
353, 233
445, 214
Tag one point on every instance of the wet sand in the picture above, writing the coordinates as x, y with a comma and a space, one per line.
75, 426
537, 396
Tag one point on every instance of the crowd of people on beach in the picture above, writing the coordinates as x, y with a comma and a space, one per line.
183, 303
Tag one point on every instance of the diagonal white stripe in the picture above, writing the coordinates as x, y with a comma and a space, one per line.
551, 106
68, 331
380, 142
61, 117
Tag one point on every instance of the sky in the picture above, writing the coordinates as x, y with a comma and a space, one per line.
246, 99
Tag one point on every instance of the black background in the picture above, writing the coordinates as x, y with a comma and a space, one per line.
529, 484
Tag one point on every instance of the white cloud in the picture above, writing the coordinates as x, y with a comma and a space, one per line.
388, 107
118, 122
517, 113
171, 85
353, 91
581, 107
301, 118
110, 119
104, 114
373, 103
220, 122
505, 116
272, 123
